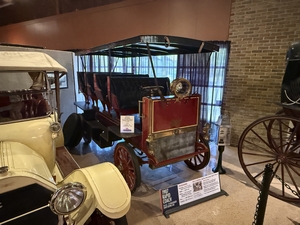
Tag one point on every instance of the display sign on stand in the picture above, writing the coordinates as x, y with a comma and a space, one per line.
190, 193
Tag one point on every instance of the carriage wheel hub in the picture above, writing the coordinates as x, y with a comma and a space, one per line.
281, 158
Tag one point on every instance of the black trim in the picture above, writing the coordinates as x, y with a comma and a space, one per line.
24, 200
23, 46
159, 45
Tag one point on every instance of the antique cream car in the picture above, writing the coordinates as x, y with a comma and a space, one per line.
33, 188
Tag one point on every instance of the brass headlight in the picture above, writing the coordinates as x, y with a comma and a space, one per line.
181, 87
67, 198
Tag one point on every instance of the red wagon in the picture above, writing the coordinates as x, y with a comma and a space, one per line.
166, 115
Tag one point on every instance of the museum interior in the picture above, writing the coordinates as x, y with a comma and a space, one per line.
150, 112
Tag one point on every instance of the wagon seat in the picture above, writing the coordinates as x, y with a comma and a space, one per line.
101, 80
90, 90
126, 92
25, 103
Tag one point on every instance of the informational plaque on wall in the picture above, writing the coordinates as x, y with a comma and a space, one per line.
126, 124
189, 193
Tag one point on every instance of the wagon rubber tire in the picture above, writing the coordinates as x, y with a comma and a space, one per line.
85, 131
121, 221
98, 217
72, 130
86, 137
201, 160
127, 162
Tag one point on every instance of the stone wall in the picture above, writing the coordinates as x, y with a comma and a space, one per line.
260, 33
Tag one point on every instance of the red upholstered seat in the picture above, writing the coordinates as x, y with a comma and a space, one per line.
34, 107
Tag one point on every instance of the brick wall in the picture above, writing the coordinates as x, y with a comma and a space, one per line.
260, 33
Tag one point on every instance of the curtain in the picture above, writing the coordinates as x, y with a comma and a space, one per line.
195, 68
206, 72
164, 66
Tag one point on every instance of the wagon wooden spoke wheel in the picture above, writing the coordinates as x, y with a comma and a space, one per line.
273, 140
202, 159
126, 161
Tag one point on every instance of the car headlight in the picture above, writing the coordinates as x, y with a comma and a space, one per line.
55, 127
67, 198
181, 87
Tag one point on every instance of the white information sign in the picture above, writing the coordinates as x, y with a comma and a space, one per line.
198, 188
189, 191
127, 124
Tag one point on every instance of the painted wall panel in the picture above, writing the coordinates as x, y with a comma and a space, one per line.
200, 19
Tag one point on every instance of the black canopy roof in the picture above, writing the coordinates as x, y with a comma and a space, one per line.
158, 45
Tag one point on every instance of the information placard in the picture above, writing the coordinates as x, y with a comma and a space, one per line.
126, 124
182, 194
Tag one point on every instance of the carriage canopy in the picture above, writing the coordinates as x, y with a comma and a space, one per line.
156, 44
28, 61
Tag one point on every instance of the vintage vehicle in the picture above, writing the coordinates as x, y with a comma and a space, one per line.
166, 114
40, 183
275, 140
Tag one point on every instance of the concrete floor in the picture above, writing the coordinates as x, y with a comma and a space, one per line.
236, 208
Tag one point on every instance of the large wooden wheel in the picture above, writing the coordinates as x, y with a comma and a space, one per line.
127, 162
273, 140
202, 159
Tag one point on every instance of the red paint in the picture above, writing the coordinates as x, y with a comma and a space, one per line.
175, 113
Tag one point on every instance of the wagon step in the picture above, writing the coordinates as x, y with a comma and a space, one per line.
102, 143
116, 130
94, 124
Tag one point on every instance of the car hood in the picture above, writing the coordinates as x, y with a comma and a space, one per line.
24, 164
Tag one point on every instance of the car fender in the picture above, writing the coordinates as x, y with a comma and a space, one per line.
106, 190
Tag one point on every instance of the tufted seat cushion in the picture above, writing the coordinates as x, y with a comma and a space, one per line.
126, 91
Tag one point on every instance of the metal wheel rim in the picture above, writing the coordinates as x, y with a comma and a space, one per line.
269, 140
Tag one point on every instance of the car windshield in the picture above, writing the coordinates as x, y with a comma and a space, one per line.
24, 95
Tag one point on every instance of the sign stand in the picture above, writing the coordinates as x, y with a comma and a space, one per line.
190, 193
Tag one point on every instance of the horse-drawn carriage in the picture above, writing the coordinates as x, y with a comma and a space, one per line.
275, 140
166, 115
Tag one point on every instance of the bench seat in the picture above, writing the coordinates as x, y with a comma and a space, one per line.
126, 92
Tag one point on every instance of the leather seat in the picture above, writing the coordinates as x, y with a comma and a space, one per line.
126, 92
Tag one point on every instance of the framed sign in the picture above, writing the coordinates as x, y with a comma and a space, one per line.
63, 81
186, 194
